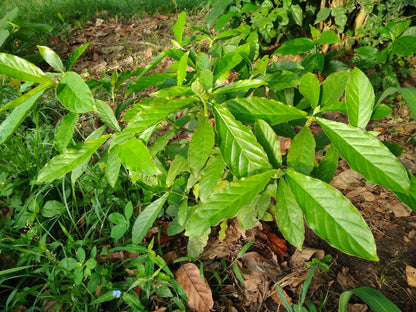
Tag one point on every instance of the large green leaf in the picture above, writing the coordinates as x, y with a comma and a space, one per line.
333, 87
74, 94
409, 95
328, 165
227, 62
4, 34
409, 199
146, 218
107, 115
226, 203
51, 58
135, 156
289, 216
210, 177
281, 79
269, 141
41, 89
332, 216
178, 164
310, 88
64, 131
404, 46
200, 147
240, 85
218, 9
75, 55
148, 81
359, 98
182, 66
58, 166
9, 125
179, 26
21, 69
301, 153
367, 155
377, 301
249, 109
112, 168
238, 145
295, 47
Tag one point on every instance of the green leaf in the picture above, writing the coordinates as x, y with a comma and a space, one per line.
381, 111
322, 15
135, 156
268, 140
200, 147
52, 208
64, 131
367, 155
409, 199
301, 153
4, 35
9, 125
226, 203
107, 115
280, 80
146, 218
377, 301
332, 216
404, 46
240, 85
249, 109
179, 27
112, 168
51, 58
210, 177
227, 62
297, 14
239, 147
289, 216
328, 165
327, 37
409, 95
18, 68
310, 88
333, 87
178, 164
133, 301
34, 93
148, 81
313, 62
116, 218
295, 47
359, 98
58, 166
196, 244
217, 10
182, 66
74, 94
76, 54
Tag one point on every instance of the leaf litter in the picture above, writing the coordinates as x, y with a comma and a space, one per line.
127, 44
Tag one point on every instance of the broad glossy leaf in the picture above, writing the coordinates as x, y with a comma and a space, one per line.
240, 85
301, 153
64, 131
18, 68
328, 165
9, 125
58, 166
376, 300
182, 66
332, 216
268, 140
74, 94
409, 95
178, 164
295, 47
409, 199
404, 46
327, 37
226, 63
249, 109
76, 54
52, 208
381, 111
313, 62
210, 177
135, 156
179, 26
51, 58
359, 98
200, 147
289, 216
333, 87
226, 203
281, 79
41, 89
112, 168
367, 155
146, 218
248, 216
310, 88
107, 115
238, 145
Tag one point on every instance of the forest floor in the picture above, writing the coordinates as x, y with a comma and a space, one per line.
128, 44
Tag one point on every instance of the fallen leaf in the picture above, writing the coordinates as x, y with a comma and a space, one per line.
411, 275
277, 244
357, 307
276, 298
198, 292
300, 257
260, 265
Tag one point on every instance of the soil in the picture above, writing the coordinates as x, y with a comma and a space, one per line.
128, 44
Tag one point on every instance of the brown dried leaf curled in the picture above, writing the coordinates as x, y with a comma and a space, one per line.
198, 292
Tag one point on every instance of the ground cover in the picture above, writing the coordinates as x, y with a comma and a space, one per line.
116, 47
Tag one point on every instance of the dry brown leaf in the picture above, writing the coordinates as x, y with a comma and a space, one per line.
300, 257
260, 265
411, 275
277, 244
357, 307
198, 292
